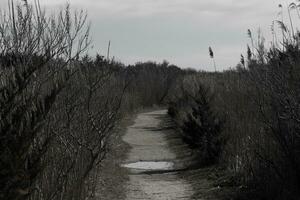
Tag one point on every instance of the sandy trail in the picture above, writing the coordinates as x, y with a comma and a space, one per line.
150, 142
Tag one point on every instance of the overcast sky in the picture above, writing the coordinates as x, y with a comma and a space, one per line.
179, 31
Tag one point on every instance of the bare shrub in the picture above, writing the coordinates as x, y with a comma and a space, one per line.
36, 51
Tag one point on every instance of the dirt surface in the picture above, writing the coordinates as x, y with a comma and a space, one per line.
149, 141
160, 165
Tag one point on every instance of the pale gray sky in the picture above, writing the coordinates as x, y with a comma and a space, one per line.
179, 31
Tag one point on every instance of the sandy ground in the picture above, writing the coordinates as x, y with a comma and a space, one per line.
160, 165
149, 143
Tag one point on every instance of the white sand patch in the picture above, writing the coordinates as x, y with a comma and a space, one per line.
150, 165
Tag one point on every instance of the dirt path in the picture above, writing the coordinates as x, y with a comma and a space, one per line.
152, 163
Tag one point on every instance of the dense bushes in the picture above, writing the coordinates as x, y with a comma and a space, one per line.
259, 101
58, 108
260, 106
33, 71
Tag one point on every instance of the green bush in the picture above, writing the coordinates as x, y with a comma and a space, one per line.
200, 126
